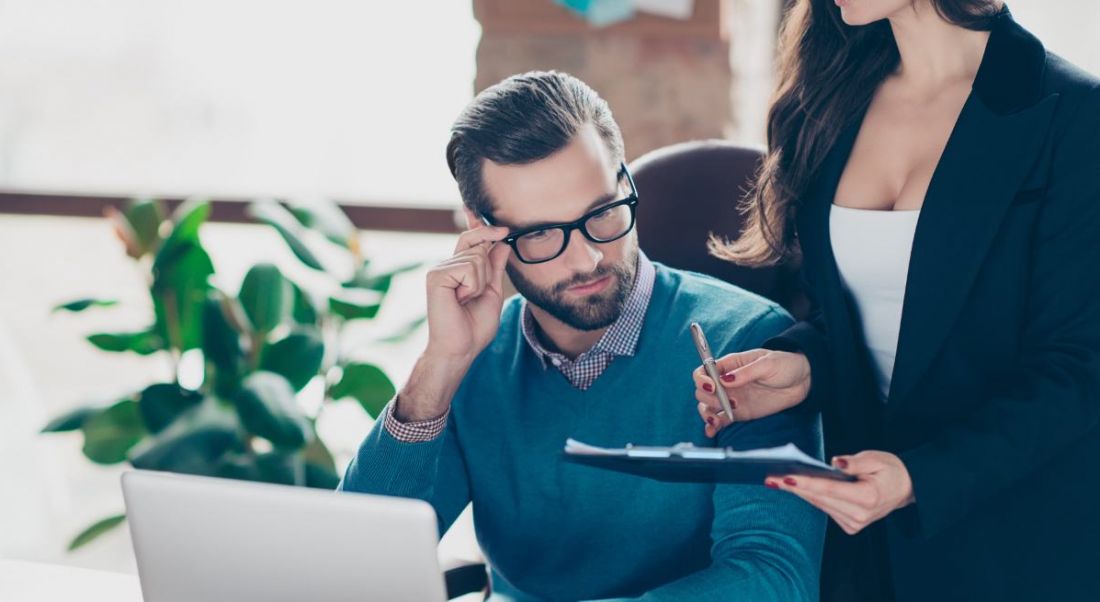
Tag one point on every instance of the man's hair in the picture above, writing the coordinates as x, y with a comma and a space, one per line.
520, 120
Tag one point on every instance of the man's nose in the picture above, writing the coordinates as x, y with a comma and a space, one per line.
581, 255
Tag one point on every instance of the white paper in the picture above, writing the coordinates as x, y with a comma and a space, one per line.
572, 446
786, 453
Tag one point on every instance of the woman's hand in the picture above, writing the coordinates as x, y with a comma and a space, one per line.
759, 383
883, 486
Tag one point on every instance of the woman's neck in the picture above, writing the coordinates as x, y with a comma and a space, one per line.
933, 51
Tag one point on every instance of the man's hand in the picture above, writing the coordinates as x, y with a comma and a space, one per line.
465, 297
758, 382
883, 486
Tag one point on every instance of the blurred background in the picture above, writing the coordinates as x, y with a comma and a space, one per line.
103, 101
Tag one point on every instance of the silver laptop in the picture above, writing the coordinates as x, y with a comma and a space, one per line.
206, 539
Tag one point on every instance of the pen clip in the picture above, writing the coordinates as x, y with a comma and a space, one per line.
700, 341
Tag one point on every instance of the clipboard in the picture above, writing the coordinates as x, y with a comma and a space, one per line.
686, 463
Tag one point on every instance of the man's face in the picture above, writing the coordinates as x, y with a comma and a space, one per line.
587, 285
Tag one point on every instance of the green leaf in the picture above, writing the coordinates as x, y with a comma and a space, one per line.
320, 466
280, 468
162, 403
98, 528
239, 466
320, 477
268, 467
381, 284
296, 356
145, 217
142, 343
367, 384
318, 454
276, 216
188, 218
71, 421
405, 331
325, 217
186, 221
78, 305
268, 408
381, 281
304, 311
110, 434
355, 304
181, 282
221, 345
265, 296
193, 444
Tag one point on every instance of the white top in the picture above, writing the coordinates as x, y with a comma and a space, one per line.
872, 250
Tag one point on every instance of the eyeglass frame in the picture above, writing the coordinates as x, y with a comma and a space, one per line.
631, 201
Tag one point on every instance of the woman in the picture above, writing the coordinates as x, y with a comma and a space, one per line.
938, 172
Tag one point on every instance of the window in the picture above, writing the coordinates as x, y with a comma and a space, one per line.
341, 98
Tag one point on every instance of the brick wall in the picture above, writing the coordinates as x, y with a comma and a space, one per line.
666, 80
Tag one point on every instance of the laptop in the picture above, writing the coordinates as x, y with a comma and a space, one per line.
208, 539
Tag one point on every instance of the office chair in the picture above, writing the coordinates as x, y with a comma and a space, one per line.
689, 190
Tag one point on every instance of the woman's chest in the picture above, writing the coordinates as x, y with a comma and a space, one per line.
897, 150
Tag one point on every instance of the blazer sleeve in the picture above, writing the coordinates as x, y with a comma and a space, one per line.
1054, 398
809, 338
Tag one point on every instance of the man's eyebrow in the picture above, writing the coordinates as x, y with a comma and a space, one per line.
603, 200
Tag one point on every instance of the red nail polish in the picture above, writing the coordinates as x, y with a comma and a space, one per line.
790, 482
729, 377
842, 463
710, 420
709, 388
771, 484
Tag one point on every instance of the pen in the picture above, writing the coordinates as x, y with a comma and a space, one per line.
711, 368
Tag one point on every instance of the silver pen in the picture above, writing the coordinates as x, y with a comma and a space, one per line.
711, 368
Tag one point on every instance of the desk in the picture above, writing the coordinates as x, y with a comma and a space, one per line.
37, 582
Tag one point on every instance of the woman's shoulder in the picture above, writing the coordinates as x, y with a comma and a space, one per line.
1075, 129
1069, 81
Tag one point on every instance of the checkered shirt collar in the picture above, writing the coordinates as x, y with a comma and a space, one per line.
621, 338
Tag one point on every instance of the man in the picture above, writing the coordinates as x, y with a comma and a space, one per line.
596, 346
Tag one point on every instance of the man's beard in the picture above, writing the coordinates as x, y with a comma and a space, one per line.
596, 311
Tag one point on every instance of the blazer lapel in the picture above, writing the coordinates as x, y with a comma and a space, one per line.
996, 142
858, 409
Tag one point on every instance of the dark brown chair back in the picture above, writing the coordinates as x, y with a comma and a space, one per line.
687, 191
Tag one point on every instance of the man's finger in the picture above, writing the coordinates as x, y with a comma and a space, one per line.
477, 236
480, 262
463, 277
498, 258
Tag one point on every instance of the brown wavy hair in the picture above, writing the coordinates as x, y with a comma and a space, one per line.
828, 72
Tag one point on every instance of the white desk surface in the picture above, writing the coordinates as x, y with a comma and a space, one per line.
22, 581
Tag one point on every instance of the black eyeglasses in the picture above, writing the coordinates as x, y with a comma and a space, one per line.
603, 224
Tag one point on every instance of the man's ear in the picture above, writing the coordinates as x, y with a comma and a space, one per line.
472, 220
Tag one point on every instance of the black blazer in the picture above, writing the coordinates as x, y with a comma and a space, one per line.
995, 396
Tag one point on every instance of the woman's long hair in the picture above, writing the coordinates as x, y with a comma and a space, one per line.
827, 74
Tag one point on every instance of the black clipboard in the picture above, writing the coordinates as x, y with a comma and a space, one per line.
685, 463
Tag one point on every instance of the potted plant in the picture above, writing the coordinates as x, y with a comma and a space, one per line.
240, 359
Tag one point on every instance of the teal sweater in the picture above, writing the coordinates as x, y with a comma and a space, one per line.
553, 530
